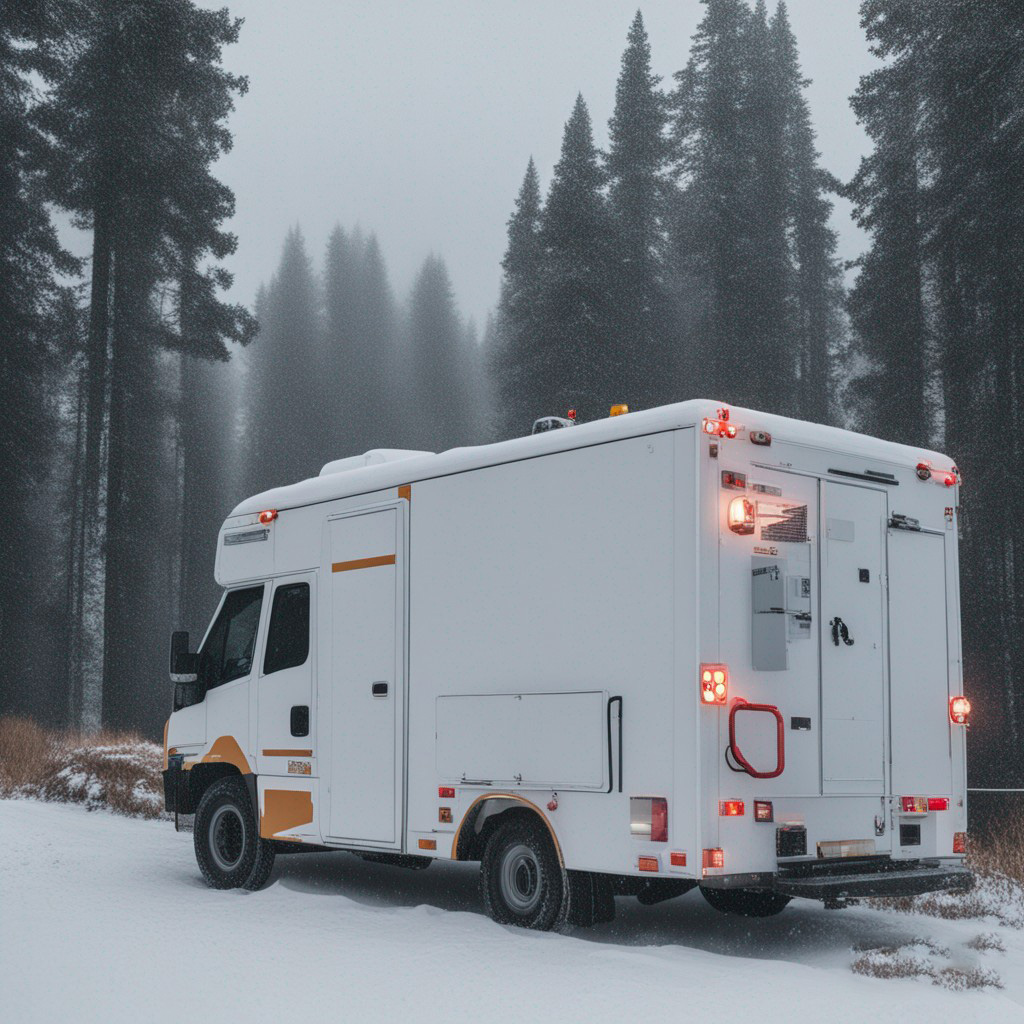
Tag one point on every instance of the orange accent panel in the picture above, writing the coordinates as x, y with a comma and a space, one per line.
284, 809
166, 726
519, 799
287, 753
405, 491
225, 750
363, 563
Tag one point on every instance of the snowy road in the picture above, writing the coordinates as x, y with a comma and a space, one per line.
106, 919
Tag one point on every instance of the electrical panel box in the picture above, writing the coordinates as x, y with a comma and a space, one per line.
780, 607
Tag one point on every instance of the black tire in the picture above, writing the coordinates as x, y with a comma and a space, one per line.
520, 878
229, 851
746, 902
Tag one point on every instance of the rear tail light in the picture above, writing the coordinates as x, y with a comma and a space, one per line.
742, 516
914, 804
959, 842
714, 684
677, 859
959, 710
763, 810
648, 818
938, 803
730, 808
446, 792
647, 863
713, 859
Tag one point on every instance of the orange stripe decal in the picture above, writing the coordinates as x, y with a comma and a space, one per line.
287, 753
363, 563
285, 809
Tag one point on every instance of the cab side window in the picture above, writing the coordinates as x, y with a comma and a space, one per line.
288, 635
228, 651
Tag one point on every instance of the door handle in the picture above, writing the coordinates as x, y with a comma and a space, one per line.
840, 631
300, 720
379, 689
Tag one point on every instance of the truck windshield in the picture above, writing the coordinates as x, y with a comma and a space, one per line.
228, 651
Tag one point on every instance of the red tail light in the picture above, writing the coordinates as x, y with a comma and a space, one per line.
959, 710
446, 792
730, 808
713, 859
742, 516
714, 684
938, 803
763, 810
913, 804
659, 820
959, 842
677, 859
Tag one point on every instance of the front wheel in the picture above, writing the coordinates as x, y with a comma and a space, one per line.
520, 877
229, 851
746, 902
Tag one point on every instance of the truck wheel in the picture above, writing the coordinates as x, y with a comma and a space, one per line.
520, 877
229, 851
746, 902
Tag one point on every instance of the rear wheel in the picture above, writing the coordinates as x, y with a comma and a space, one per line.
520, 877
746, 902
228, 848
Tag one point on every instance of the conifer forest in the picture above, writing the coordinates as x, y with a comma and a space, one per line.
693, 256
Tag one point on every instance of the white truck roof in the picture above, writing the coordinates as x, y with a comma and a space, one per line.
384, 468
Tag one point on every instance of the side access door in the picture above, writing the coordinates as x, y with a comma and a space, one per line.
852, 639
362, 675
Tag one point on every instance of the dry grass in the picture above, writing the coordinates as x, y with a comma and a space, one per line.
987, 941
116, 771
924, 959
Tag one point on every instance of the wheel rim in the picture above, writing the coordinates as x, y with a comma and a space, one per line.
520, 879
227, 837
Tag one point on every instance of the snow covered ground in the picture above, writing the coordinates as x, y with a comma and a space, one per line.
104, 918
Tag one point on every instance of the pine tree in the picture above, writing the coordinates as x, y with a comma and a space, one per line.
637, 183
513, 335
285, 422
441, 384
573, 362
709, 231
33, 39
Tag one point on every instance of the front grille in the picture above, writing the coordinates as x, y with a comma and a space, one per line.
791, 841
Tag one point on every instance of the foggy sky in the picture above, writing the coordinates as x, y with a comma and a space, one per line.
416, 119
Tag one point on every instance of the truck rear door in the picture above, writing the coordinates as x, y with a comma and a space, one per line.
852, 637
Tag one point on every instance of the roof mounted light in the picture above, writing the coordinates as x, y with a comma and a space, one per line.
618, 410
949, 477
720, 427
268, 516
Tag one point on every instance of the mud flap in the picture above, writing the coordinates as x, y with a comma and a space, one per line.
589, 900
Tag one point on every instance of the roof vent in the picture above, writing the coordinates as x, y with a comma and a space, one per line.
375, 457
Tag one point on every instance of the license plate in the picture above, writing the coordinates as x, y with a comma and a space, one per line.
847, 848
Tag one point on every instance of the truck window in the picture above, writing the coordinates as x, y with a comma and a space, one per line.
288, 635
227, 653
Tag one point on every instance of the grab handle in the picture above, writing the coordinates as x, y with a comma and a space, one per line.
780, 766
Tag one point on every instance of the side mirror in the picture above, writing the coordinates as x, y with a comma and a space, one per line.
184, 665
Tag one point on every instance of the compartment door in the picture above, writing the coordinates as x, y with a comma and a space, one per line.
365, 676
852, 636
919, 664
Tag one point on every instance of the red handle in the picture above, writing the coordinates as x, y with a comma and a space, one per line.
780, 740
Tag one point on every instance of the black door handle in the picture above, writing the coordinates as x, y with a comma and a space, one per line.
300, 720
379, 689
840, 631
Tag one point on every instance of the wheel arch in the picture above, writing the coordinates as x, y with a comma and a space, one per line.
481, 818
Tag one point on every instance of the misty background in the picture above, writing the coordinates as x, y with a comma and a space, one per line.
231, 252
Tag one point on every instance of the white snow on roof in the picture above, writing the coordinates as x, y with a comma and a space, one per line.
375, 475
374, 457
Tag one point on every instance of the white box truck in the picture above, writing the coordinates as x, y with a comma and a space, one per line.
689, 646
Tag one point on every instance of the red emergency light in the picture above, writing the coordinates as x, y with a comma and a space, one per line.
959, 710
714, 684
268, 516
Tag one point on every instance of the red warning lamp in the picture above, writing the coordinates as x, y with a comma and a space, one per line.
949, 477
268, 516
714, 858
742, 516
714, 684
718, 428
959, 710
571, 415
730, 808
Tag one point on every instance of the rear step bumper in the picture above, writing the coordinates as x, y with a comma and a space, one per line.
894, 881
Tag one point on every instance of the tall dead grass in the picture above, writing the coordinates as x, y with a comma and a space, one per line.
116, 771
